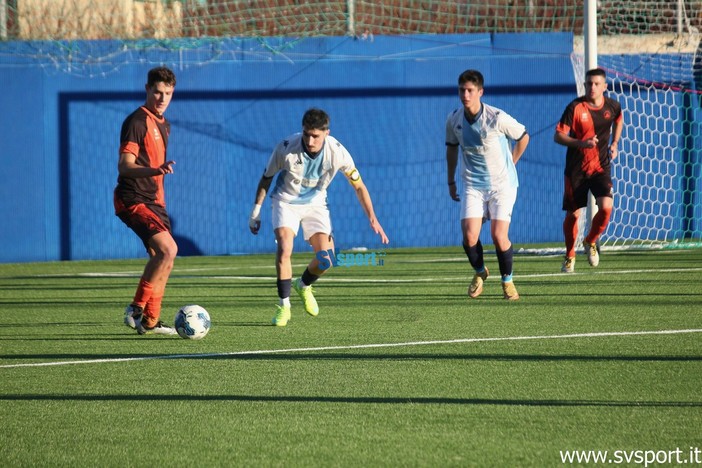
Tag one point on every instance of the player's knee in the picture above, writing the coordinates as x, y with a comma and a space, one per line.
502, 243
283, 252
169, 251
470, 239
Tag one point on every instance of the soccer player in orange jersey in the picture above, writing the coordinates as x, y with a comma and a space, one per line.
585, 129
139, 198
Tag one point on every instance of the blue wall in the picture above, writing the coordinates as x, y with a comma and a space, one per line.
388, 100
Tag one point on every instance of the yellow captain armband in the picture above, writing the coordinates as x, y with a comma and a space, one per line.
353, 175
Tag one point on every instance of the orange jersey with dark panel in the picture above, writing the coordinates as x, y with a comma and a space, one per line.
144, 135
582, 121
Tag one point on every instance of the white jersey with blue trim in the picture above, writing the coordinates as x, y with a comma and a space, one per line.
303, 179
486, 161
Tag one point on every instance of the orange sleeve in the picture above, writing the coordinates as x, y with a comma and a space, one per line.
129, 147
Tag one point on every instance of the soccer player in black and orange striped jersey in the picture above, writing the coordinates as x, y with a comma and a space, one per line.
585, 128
139, 198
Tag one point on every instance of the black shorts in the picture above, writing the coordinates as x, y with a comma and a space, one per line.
145, 219
575, 193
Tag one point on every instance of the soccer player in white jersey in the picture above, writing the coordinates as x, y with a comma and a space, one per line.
306, 163
491, 143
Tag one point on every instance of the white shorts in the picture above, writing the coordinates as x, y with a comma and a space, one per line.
314, 218
488, 204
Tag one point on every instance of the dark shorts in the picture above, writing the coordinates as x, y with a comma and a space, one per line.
145, 219
575, 193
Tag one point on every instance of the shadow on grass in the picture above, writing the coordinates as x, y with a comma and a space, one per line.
358, 400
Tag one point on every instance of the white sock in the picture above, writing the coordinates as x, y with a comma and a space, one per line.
285, 302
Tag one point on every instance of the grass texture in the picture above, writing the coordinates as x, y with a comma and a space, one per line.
400, 368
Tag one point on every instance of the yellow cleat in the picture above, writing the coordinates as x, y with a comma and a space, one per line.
282, 316
510, 291
476, 286
307, 297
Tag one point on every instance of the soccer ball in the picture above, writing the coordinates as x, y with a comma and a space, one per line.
192, 322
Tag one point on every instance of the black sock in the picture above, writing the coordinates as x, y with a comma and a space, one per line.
475, 256
504, 259
308, 278
284, 288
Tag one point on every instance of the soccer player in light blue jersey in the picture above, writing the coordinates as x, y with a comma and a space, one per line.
491, 142
306, 163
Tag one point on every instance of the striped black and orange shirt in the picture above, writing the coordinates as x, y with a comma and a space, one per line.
145, 135
582, 121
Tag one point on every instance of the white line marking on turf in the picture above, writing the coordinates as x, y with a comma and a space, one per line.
331, 279
364, 346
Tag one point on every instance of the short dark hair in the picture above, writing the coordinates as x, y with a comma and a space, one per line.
316, 119
596, 72
161, 75
471, 76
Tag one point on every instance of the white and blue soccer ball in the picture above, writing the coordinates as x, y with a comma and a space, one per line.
192, 322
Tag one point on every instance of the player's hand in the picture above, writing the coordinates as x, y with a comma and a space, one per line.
378, 229
166, 168
255, 219
613, 152
591, 142
254, 225
453, 192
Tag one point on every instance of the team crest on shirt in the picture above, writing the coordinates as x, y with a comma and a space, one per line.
607, 115
157, 135
585, 116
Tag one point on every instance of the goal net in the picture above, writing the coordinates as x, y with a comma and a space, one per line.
652, 53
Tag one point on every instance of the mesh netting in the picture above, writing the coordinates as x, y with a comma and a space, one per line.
196, 28
653, 58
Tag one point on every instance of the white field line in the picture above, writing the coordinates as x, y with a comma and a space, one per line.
524, 255
332, 279
362, 346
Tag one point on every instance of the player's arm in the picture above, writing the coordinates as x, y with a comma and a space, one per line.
128, 167
564, 139
451, 164
261, 191
519, 147
364, 199
616, 135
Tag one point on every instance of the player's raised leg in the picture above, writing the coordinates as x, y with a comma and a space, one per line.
320, 242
